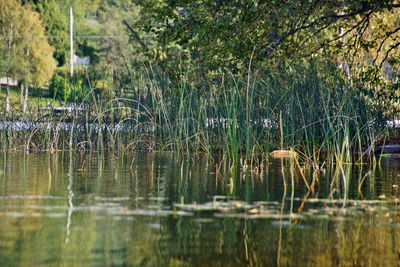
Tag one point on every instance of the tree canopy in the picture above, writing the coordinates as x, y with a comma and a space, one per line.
228, 33
26, 54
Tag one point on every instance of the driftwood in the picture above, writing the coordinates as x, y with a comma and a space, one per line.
282, 154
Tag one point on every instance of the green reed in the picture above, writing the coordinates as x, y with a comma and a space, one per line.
310, 108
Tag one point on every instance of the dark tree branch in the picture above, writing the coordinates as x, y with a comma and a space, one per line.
388, 35
388, 53
135, 34
330, 41
326, 20
367, 10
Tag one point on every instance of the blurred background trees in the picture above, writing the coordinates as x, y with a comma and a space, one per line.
26, 54
202, 39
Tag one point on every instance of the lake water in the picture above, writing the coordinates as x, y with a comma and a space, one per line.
159, 209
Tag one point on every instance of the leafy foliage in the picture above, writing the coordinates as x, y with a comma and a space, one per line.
227, 34
67, 89
27, 59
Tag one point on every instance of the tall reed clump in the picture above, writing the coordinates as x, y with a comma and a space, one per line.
321, 112
310, 108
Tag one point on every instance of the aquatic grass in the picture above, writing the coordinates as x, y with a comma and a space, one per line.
310, 109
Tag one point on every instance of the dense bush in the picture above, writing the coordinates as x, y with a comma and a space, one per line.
68, 89
59, 86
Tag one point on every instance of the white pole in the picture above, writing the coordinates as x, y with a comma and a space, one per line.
71, 19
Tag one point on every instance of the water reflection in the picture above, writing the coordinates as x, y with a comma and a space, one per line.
70, 196
159, 209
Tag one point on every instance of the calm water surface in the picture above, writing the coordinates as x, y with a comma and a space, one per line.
158, 209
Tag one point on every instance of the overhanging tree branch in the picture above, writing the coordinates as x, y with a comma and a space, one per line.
324, 22
135, 34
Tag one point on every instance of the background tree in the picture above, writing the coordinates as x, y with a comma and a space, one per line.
27, 55
227, 33
360, 38
55, 16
